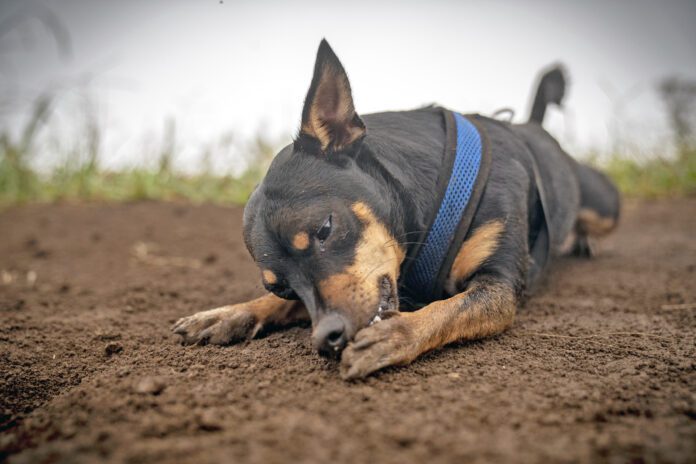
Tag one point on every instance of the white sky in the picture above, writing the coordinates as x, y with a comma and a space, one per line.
245, 66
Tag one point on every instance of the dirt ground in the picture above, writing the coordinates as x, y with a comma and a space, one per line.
600, 365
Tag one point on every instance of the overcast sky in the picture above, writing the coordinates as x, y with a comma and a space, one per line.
238, 66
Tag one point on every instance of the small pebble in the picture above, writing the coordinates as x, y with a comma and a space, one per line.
209, 420
150, 385
112, 349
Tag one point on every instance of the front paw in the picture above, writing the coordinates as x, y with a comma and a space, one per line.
390, 342
220, 326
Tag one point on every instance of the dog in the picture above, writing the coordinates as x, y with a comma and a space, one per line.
356, 227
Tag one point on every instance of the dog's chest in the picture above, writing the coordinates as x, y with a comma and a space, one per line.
460, 185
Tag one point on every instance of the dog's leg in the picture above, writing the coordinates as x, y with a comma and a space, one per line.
234, 323
486, 308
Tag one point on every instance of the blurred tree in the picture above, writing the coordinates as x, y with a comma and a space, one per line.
679, 97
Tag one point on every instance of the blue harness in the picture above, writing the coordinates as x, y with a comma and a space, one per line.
465, 171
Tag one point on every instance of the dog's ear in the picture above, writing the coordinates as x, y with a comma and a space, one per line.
328, 116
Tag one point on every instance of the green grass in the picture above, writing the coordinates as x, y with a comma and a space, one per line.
19, 184
654, 177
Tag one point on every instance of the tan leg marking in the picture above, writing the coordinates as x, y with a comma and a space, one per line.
485, 309
591, 223
234, 323
473, 253
568, 243
356, 290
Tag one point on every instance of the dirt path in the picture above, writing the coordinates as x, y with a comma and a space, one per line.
599, 367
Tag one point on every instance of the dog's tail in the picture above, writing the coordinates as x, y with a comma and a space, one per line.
551, 89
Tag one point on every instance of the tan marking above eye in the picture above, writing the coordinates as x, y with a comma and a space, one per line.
363, 211
473, 253
269, 277
300, 241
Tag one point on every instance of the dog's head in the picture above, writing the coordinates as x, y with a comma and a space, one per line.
321, 224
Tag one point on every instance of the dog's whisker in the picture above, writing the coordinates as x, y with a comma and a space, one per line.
411, 243
374, 269
411, 232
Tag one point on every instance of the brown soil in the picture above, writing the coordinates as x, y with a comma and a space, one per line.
600, 365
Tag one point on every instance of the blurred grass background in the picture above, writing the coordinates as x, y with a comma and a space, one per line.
654, 178
81, 177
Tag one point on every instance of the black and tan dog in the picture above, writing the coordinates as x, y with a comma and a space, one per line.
344, 211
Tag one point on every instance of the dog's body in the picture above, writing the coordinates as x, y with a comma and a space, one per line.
335, 219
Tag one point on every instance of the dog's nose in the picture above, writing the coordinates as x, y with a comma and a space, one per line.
329, 336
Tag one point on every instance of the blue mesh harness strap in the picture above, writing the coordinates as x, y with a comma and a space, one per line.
463, 178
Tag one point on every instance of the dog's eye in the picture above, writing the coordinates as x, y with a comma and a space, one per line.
324, 230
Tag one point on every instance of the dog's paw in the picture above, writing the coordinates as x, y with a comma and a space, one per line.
390, 342
220, 326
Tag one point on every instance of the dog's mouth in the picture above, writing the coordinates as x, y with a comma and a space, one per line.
388, 300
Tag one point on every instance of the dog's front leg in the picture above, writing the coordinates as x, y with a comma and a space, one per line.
234, 323
486, 308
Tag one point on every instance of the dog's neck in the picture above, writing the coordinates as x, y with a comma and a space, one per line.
405, 159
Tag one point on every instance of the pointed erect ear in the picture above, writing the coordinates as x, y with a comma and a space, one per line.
329, 116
